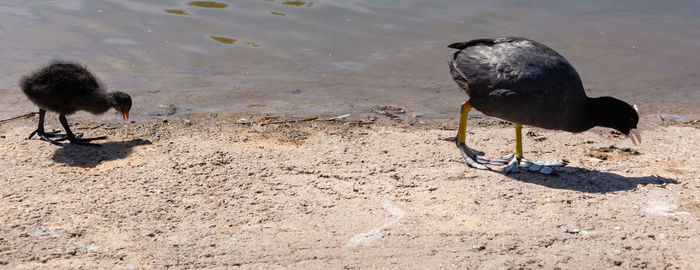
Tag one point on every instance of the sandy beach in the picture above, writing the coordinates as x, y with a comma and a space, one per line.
219, 192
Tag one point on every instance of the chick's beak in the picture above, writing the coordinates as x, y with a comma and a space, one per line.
125, 115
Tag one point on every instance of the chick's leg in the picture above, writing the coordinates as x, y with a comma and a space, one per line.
77, 140
43, 135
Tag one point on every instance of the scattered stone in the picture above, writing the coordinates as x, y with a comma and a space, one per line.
167, 110
338, 117
92, 248
296, 92
170, 110
572, 230
389, 111
297, 133
478, 247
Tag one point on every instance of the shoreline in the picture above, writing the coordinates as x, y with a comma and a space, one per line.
149, 110
378, 112
205, 191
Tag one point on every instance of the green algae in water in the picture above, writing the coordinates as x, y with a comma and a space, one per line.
256, 105
255, 45
177, 11
296, 3
207, 4
224, 40
277, 13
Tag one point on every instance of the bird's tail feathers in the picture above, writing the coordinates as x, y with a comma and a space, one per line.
474, 42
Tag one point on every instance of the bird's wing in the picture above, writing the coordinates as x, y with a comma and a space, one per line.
472, 70
512, 63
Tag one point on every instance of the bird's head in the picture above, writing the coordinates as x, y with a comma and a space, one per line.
625, 119
122, 103
614, 113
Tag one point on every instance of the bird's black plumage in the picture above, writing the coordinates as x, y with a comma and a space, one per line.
66, 87
525, 82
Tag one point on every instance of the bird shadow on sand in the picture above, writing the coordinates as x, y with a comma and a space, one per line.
91, 156
589, 181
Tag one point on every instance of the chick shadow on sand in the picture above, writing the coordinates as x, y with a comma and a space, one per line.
589, 181
91, 156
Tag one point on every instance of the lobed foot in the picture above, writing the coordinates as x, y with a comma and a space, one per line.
50, 134
46, 136
474, 157
543, 167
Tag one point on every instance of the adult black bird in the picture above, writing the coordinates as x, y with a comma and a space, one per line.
527, 83
66, 87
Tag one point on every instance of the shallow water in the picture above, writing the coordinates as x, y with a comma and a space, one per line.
336, 57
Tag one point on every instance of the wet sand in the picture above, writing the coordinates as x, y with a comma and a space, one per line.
219, 192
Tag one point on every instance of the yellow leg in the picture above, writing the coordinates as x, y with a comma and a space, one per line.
471, 156
462, 131
519, 140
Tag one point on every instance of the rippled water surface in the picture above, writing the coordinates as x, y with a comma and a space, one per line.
334, 57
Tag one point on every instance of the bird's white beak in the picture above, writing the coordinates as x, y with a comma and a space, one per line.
635, 136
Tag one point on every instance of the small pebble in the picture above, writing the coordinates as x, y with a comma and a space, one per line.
572, 231
478, 247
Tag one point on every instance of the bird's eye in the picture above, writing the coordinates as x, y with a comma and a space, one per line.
631, 119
